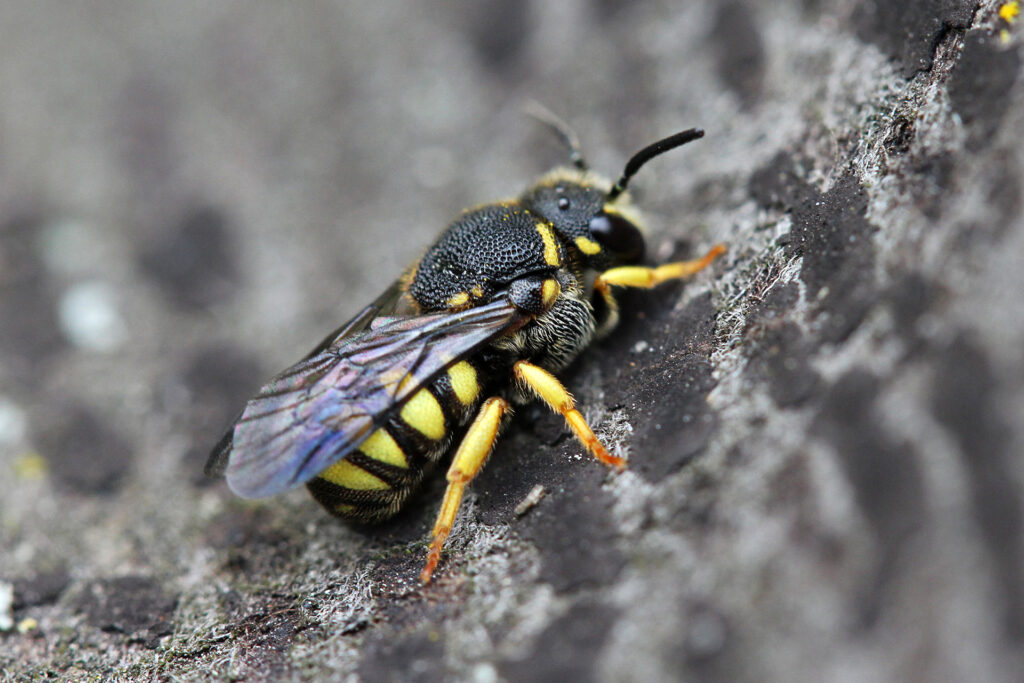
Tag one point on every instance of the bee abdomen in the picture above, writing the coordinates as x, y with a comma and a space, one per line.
371, 483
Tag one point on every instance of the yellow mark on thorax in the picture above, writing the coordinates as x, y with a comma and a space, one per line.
550, 246
458, 300
549, 291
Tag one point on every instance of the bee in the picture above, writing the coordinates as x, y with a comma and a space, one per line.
509, 294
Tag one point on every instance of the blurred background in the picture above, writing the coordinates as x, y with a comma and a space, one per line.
193, 194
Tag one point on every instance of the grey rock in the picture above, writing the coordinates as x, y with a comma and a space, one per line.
823, 428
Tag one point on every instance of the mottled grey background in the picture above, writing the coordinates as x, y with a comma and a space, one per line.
825, 429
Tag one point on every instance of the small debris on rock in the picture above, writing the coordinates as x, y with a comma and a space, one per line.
27, 625
532, 498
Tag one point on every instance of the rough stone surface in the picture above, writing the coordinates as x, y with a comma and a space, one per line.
910, 30
823, 428
986, 71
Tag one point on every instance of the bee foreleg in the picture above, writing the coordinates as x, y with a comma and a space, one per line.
469, 459
548, 389
645, 277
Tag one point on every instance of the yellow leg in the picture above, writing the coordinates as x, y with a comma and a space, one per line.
548, 389
645, 277
472, 454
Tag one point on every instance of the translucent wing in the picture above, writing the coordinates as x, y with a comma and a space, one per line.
319, 410
384, 304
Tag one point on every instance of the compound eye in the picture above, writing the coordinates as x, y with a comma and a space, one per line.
618, 235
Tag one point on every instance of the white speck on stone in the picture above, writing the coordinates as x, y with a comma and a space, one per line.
13, 423
531, 499
640, 346
89, 317
6, 606
484, 673
664, 251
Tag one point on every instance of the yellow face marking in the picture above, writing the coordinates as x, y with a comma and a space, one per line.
550, 246
381, 447
345, 474
549, 291
587, 245
458, 300
423, 413
464, 383
477, 291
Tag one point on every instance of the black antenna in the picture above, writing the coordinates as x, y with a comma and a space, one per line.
649, 152
560, 128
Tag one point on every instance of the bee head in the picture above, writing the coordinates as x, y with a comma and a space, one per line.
602, 224
575, 204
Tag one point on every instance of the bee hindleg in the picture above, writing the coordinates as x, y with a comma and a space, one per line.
469, 459
645, 277
548, 389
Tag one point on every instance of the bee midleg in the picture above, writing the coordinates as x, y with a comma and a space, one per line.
548, 389
645, 277
476, 446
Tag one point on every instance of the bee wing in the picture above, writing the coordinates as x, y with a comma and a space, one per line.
384, 304
319, 410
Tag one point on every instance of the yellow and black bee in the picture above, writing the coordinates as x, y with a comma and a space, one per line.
510, 293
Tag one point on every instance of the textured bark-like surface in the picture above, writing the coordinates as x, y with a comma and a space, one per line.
824, 428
